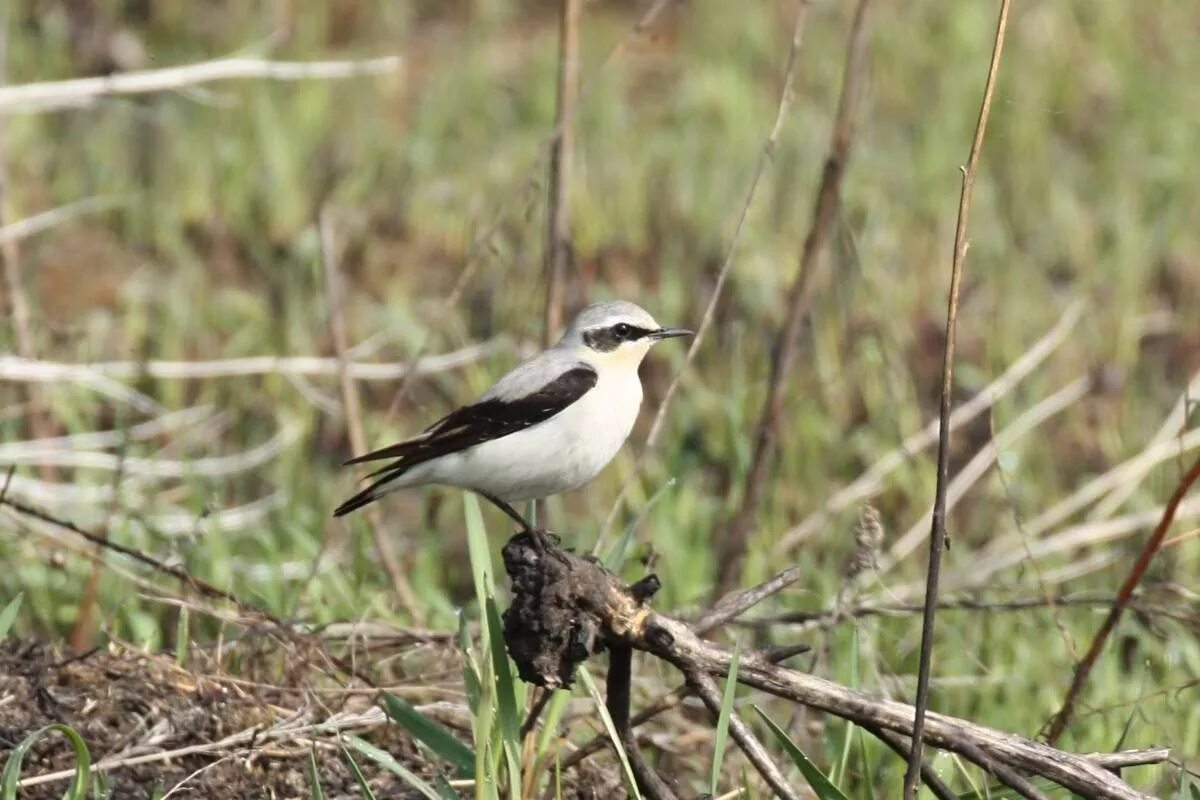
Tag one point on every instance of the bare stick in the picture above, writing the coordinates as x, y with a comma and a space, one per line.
558, 216
807, 619
704, 686
354, 420
734, 605
14, 368
937, 537
199, 585
619, 685
252, 613
1060, 720
55, 95
768, 150
673, 641
38, 223
732, 540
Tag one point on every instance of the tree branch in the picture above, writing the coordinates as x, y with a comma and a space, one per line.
566, 607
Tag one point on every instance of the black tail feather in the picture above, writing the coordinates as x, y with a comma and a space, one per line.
369, 494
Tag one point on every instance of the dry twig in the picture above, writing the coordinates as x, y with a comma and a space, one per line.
15, 368
31, 98
1060, 720
937, 537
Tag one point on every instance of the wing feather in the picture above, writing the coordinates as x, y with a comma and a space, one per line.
486, 420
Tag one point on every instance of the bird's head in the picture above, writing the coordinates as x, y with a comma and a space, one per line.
616, 333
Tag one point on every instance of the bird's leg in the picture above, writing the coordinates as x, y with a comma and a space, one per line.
510, 511
537, 535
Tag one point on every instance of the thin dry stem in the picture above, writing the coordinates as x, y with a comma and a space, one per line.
32, 98
10, 254
785, 102
1172, 426
1138, 571
21, 370
354, 419
558, 217
732, 541
937, 538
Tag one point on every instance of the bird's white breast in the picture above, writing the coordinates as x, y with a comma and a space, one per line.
560, 454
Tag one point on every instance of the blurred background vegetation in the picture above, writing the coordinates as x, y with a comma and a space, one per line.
205, 246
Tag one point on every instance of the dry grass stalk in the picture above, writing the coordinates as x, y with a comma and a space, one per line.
937, 537
870, 483
1060, 720
32, 98
785, 102
732, 541
981, 462
13, 368
10, 254
352, 405
558, 216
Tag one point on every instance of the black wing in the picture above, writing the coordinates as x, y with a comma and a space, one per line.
472, 425
488, 419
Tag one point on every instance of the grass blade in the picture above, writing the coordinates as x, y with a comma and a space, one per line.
9, 614
388, 762
359, 778
444, 789
315, 792
78, 790
430, 733
506, 693
617, 554
182, 634
839, 770
1001, 792
723, 718
594, 692
554, 712
820, 783
478, 549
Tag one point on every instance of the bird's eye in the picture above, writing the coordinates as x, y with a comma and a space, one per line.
622, 329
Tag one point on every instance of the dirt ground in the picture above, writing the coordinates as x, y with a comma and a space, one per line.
126, 704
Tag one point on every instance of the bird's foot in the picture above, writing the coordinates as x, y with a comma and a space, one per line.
545, 543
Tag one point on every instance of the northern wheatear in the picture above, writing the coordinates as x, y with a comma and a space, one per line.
547, 427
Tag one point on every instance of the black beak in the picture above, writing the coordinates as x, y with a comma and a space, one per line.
669, 333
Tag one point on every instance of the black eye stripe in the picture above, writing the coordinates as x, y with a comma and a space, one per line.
609, 338
629, 332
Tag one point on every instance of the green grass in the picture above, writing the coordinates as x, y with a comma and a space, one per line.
1087, 189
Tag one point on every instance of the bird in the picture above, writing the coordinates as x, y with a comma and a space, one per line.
548, 426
